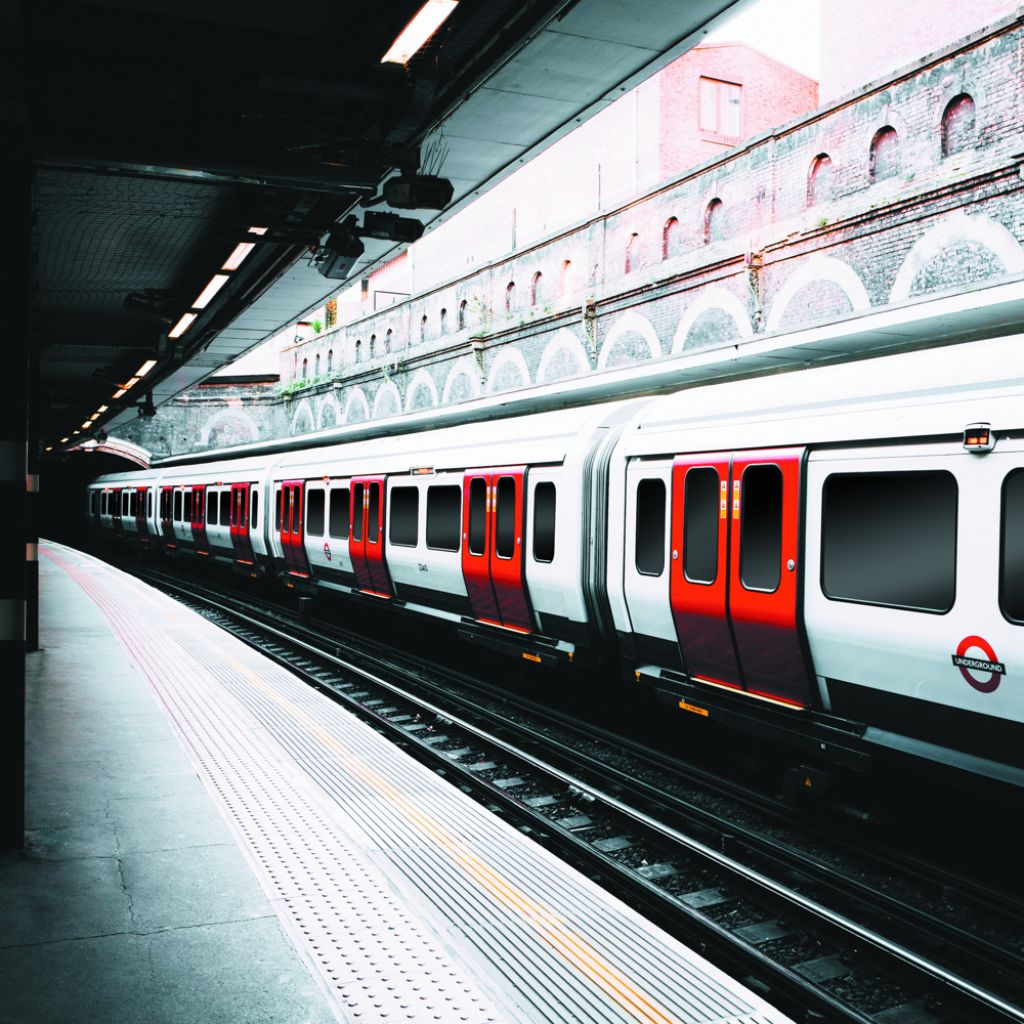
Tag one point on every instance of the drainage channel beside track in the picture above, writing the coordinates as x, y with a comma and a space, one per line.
818, 943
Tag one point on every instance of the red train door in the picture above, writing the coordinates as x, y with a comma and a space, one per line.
199, 519
166, 523
698, 586
763, 577
366, 540
291, 528
141, 522
492, 550
241, 541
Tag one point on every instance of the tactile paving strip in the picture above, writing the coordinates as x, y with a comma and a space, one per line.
555, 947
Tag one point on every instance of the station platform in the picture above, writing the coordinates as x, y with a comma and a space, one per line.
210, 839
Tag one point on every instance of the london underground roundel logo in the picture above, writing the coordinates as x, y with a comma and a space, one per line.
969, 665
327, 551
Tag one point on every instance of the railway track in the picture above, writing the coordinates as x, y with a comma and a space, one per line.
821, 941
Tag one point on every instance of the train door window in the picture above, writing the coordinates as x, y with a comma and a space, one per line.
315, 501
477, 515
357, 512
177, 506
124, 503
225, 508
212, 506
149, 502
700, 525
280, 506
254, 521
505, 518
188, 506
444, 517
650, 527
373, 519
544, 522
337, 519
131, 504
403, 521
890, 539
1011, 562
761, 528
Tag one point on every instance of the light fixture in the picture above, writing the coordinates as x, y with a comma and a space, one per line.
75, 433
104, 408
50, 448
182, 325
64, 440
426, 22
257, 231
143, 370
130, 383
240, 251
215, 284
119, 392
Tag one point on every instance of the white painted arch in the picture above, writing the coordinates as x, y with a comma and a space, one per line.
819, 268
629, 322
356, 400
508, 356
381, 408
958, 227
715, 297
330, 402
567, 342
228, 414
421, 379
467, 368
303, 421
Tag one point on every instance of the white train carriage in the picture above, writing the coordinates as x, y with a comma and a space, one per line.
479, 524
121, 505
841, 548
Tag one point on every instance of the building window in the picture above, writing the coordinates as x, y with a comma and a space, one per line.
462, 314
404, 518
388, 340
373, 346
633, 253
544, 522
820, 183
884, 160
958, 123
650, 527
536, 289
714, 222
720, 109
761, 528
670, 239
330, 360
510, 296
700, 525
444, 321
890, 539
359, 349
315, 501
565, 278
1011, 562
337, 517
444, 517
305, 368
316, 364
423, 327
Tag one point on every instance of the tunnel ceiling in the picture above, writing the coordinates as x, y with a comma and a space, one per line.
160, 133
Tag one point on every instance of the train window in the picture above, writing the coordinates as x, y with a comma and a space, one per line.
444, 517
505, 518
373, 515
650, 527
761, 528
212, 506
188, 507
225, 508
278, 513
477, 515
544, 522
255, 509
124, 503
890, 539
700, 525
337, 520
149, 502
357, 512
133, 504
1011, 561
315, 501
404, 519
177, 506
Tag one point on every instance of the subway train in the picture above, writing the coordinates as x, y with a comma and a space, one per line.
829, 558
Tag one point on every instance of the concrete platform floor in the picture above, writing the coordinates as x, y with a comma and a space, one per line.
132, 902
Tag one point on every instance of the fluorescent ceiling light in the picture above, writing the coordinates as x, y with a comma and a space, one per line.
64, 440
427, 21
102, 408
216, 283
87, 424
182, 325
119, 392
143, 370
50, 448
130, 383
240, 251
257, 231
